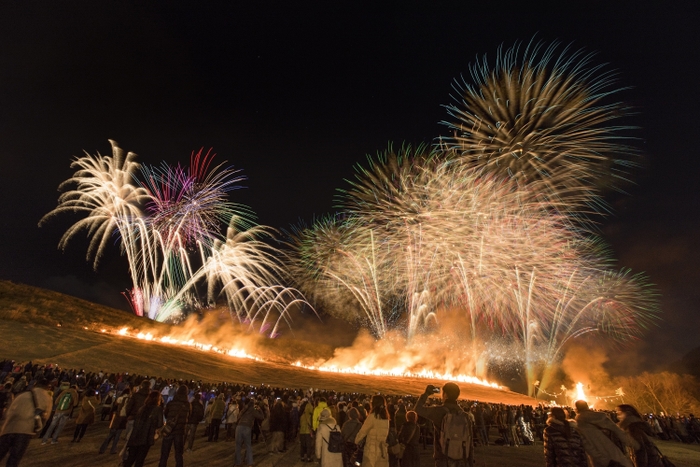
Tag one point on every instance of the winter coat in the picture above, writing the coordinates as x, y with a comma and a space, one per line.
647, 455
375, 430
350, 430
177, 413
248, 415
136, 401
410, 436
217, 408
232, 413
600, 449
87, 410
148, 419
73, 401
436, 415
197, 414
317, 413
305, 421
560, 451
19, 418
278, 418
328, 459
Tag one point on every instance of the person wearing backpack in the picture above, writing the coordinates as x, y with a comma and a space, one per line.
118, 423
20, 424
329, 441
453, 430
65, 402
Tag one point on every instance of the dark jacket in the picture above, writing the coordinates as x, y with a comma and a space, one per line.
136, 402
647, 455
177, 413
436, 414
278, 418
249, 414
148, 419
197, 413
560, 451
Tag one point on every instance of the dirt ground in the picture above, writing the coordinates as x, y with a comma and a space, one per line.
221, 454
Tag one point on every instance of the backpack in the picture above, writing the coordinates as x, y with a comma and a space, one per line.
455, 435
124, 402
64, 403
335, 440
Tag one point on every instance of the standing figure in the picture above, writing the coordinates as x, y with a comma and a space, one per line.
326, 424
244, 431
563, 445
148, 419
599, 447
410, 436
647, 454
375, 430
20, 419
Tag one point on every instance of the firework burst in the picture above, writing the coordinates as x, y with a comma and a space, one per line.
544, 118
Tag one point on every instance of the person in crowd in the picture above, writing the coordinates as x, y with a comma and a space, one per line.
278, 426
326, 424
244, 431
195, 419
86, 416
147, 421
118, 422
601, 450
375, 430
65, 402
563, 445
305, 432
320, 405
646, 454
177, 414
217, 412
20, 421
136, 401
349, 430
409, 436
450, 394
232, 411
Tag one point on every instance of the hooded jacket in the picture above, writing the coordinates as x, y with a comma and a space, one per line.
597, 444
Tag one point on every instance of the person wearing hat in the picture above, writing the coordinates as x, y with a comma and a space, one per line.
137, 400
326, 424
19, 426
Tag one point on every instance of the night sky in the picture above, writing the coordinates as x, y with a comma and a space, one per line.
296, 93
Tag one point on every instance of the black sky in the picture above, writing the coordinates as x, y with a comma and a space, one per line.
296, 93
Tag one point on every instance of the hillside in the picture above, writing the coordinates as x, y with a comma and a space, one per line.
48, 327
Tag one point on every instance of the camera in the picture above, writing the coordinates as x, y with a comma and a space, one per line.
436, 390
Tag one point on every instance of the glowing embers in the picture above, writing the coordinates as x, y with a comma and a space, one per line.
169, 340
401, 373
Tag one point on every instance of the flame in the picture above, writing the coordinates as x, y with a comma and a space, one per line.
360, 369
400, 372
580, 395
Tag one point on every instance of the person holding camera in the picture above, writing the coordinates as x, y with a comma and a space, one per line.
244, 431
453, 429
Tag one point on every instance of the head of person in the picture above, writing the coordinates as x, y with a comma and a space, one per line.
145, 385
450, 392
379, 407
625, 410
182, 391
354, 414
411, 417
325, 416
153, 398
559, 415
581, 406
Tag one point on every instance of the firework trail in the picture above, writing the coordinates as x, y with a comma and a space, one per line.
544, 118
184, 208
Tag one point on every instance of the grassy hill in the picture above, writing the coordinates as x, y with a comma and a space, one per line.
49, 327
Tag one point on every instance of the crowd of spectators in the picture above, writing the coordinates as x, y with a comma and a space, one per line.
245, 414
